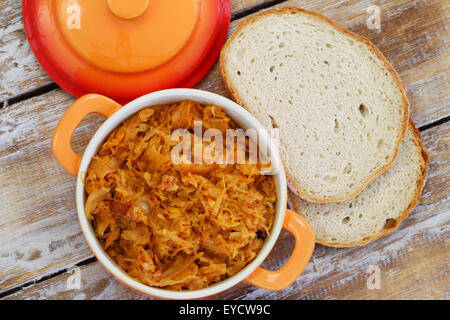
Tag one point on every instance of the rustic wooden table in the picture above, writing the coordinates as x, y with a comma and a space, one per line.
42, 249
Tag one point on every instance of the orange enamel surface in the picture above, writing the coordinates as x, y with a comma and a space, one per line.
85, 67
128, 9
62, 136
101, 38
304, 246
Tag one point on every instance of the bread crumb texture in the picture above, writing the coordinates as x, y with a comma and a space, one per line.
340, 109
379, 209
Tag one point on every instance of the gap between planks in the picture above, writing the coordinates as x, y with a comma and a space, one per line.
434, 123
23, 286
92, 259
50, 86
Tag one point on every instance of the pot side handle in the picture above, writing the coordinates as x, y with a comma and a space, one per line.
62, 136
304, 246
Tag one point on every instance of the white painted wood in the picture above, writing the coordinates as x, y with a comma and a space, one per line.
39, 231
20, 72
417, 250
412, 38
413, 261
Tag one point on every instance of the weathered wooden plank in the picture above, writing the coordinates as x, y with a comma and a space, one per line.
242, 5
406, 32
38, 228
414, 37
413, 262
20, 70
39, 232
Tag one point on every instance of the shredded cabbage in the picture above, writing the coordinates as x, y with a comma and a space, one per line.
176, 226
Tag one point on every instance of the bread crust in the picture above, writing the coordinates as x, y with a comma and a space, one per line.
419, 187
234, 94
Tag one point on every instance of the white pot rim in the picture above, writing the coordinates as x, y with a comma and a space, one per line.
245, 120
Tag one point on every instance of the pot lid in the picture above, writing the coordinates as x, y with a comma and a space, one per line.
126, 48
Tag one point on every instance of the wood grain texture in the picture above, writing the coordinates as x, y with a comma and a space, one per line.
414, 36
39, 230
20, 70
414, 261
242, 5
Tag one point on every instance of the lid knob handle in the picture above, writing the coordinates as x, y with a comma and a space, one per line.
128, 9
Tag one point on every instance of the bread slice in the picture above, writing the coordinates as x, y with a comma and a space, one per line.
380, 208
339, 105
